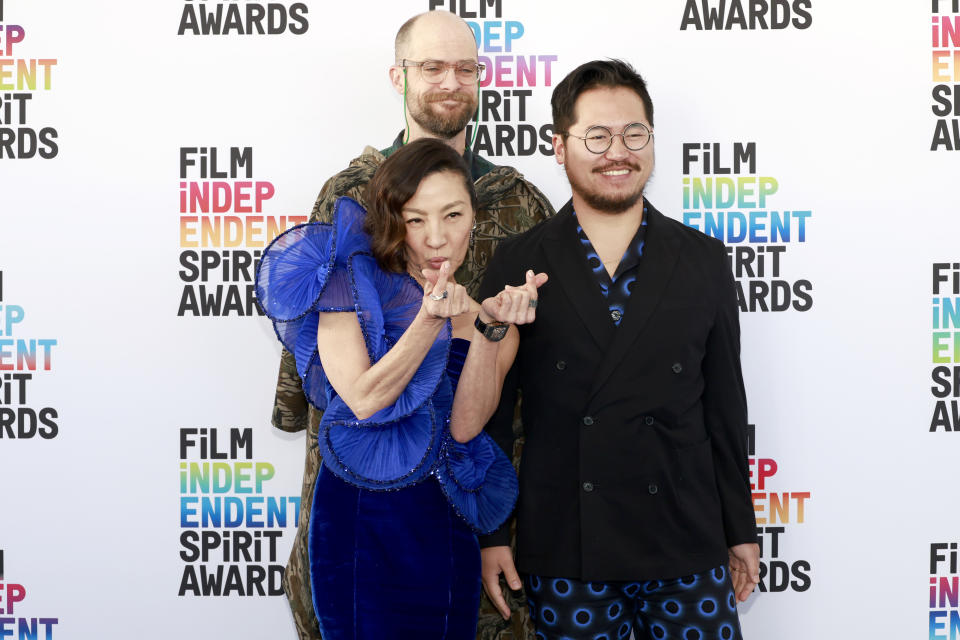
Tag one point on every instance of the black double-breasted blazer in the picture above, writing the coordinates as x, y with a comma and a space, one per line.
634, 464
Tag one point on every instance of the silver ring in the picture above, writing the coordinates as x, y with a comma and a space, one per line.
533, 303
440, 297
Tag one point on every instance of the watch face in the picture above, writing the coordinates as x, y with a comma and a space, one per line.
498, 332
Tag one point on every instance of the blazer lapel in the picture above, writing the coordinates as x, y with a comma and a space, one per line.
660, 254
569, 270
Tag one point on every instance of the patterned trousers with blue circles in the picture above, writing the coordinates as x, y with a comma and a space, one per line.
697, 607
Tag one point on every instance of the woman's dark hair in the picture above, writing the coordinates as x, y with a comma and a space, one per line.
599, 73
392, 186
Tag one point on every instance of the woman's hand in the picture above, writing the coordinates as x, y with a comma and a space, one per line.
446, 298
514, 305
488, 360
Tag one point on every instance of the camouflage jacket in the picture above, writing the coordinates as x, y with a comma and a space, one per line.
508, 205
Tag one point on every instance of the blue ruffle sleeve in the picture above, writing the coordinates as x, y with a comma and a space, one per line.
479, 481
303, 272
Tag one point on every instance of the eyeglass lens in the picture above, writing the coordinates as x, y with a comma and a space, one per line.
435, 71
635, 137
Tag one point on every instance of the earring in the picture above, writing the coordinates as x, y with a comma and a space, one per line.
472, 229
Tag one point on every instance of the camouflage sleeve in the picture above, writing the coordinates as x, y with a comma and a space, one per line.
289, 403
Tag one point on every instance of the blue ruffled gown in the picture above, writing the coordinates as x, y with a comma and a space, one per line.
397, 503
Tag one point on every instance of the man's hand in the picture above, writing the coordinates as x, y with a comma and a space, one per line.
744, 569
493, 562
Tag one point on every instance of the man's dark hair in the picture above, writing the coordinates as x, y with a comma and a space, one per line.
392, 186
598, 73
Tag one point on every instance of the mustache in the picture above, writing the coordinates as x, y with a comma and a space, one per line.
459, 96
617, 165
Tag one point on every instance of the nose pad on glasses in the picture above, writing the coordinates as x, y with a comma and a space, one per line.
618, 146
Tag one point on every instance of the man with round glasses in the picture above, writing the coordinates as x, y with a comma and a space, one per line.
635, 514
437, 73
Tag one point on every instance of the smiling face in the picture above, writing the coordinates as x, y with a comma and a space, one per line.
610, 182
438, 219
442, 109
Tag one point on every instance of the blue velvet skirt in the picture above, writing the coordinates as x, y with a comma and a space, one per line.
391, 565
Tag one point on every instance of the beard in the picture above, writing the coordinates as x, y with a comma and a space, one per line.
444, 125
607, 203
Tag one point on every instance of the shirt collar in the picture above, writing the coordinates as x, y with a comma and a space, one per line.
631, 256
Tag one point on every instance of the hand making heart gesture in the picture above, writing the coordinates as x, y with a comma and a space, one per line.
515, 305
446, 298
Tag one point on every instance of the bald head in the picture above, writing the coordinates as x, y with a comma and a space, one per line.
430, 31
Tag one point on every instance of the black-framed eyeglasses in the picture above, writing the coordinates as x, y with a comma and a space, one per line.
598, 138
434, 71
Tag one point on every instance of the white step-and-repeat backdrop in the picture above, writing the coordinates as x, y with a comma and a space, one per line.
150, 151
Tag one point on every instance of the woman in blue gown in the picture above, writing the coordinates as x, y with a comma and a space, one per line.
407, 369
